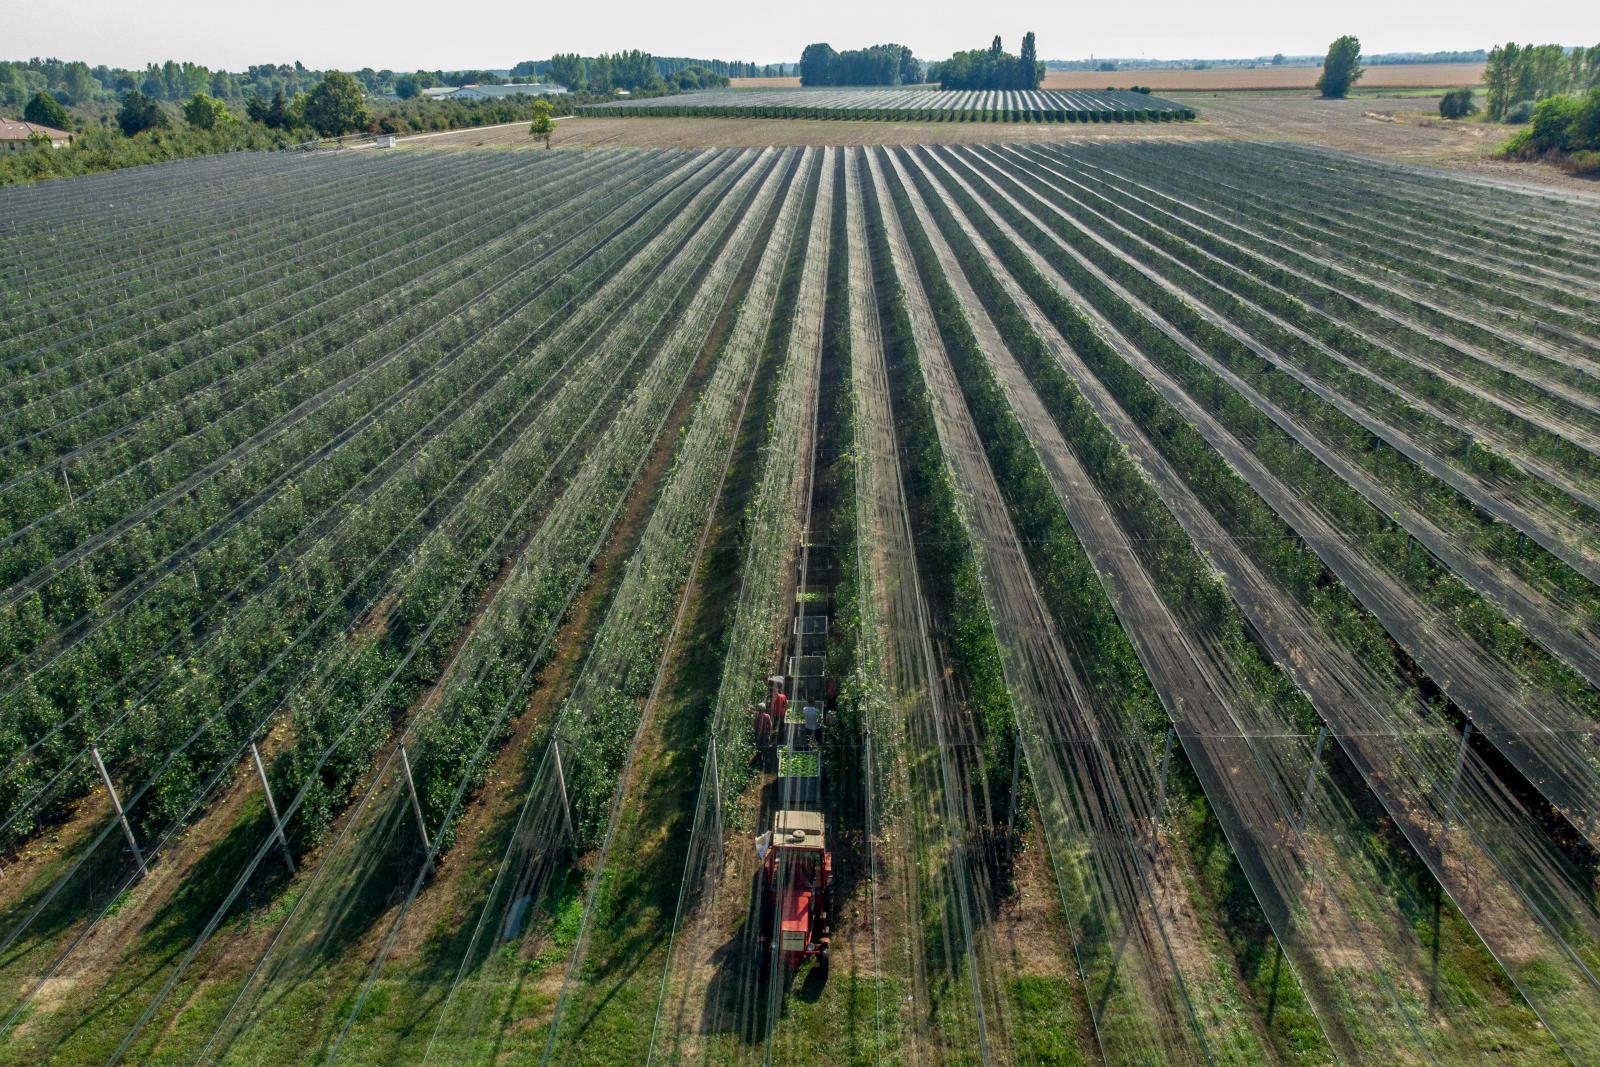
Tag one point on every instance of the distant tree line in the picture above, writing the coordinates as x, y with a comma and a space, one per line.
77, 84
1388, 59
81, 86
140, 128
1515, 77
637, 72
879, 64
991, 68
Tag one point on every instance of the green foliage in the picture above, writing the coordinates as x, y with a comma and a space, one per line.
1341, 68
880, 64
1520, 113
543, 124
206, 112
1515, 74
336, 106
798, 764
991, 68
140, 113
566, 69
1457, 104
1565, 129
46, 110
277, 115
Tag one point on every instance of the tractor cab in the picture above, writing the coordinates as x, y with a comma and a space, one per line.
796, 881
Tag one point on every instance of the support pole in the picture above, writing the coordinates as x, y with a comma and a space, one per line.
1311, 779
1161, 793
116, 803
561, 784
416, 804
716, 797
1455, 782
68, 484
272, 806
1016, 766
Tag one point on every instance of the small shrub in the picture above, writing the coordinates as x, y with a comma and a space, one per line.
1519, 113
1457, 104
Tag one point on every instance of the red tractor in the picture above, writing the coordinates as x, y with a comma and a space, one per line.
796, 889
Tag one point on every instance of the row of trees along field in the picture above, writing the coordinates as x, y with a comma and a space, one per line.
638, 72
78, 85
879, 64
991, 68
141, 128
1516, 77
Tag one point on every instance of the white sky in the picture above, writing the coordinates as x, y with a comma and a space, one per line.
407, 34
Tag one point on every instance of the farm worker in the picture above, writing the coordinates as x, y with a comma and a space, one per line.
780, 706
810, 712
763, 726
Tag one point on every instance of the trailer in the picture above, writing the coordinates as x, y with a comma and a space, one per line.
796, 863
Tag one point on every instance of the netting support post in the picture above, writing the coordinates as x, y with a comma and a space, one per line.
65, 481
1455, 782
1161, 790
272, 806
416, 804
1311, 780
716, 797
561, 784
116, 803
1016, 766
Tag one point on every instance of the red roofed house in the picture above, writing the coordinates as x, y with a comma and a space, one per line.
15, 136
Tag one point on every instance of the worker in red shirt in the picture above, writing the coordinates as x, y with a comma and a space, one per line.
780, 704
763, 726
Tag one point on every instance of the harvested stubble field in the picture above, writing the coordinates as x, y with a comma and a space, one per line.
1208, 533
